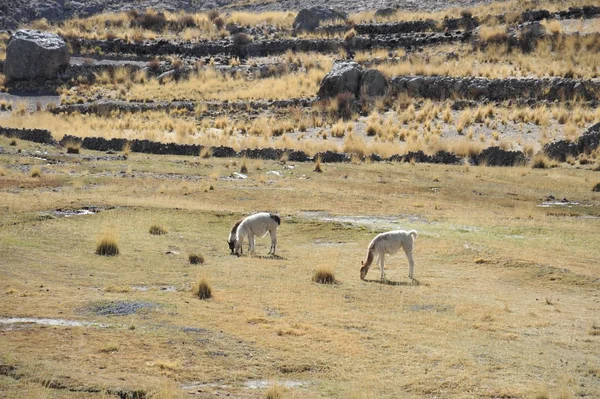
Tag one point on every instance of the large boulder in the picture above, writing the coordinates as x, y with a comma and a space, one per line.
343, 77
32, 54
373, 83
530, 33
309, 18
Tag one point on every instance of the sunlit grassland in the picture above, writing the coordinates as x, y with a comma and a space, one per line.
504, 285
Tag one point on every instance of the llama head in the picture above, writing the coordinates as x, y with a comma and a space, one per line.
363, 270
231, 245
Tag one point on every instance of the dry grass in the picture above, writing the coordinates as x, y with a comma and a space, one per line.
563, 56
196, 259
323, 275
202, 289
274, 392
339, 330
107, 245
157, 230
35, 172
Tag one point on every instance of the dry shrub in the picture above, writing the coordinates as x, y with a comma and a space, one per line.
185, 21
212, 14
596, 188
274, 392
157, 230
541, 161
36, 172
493, 34
344, 105
107, 246
219, 22
150, 20
318, 165
241, 39
244, 168
323, 275
196, 259
73, 147
351, 34
202, 289
154, 64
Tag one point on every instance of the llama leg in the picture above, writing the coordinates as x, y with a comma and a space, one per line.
251, 243
381, 262
411, 262
273, 242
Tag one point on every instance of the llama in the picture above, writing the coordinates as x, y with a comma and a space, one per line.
256, 225
389, 243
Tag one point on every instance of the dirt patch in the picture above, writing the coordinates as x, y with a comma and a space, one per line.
49, 322
373, 222
119, 308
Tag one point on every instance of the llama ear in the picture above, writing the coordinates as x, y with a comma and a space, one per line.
362, 263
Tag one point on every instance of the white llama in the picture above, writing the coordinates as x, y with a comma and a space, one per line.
389, 243
255, 225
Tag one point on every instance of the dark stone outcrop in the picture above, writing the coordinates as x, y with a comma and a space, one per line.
310, 18
587, 143
561, 149
332, 157
343, 77
548, 89
350, 77
32, 54
496, 156
35, 135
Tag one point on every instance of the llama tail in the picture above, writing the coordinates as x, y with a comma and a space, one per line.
275, 218
413, 234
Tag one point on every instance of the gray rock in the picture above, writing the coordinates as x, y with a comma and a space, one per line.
415, 85
373, 83
310, 18
530, 33
343, 77
32, 54
385, 12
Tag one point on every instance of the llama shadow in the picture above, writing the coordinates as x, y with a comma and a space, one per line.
413, 282
272, 257
268, 257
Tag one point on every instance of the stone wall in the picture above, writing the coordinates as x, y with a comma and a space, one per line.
546, 89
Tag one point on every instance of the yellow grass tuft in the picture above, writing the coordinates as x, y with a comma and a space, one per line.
541, 161
196, 259
107, 245
318, 165
36, 172
157, 230
274, 392
323, 275
202, 289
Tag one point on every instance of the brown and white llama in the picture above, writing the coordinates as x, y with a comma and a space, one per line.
389, 243
258, 225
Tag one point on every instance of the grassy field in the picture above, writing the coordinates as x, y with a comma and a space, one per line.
505, 302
